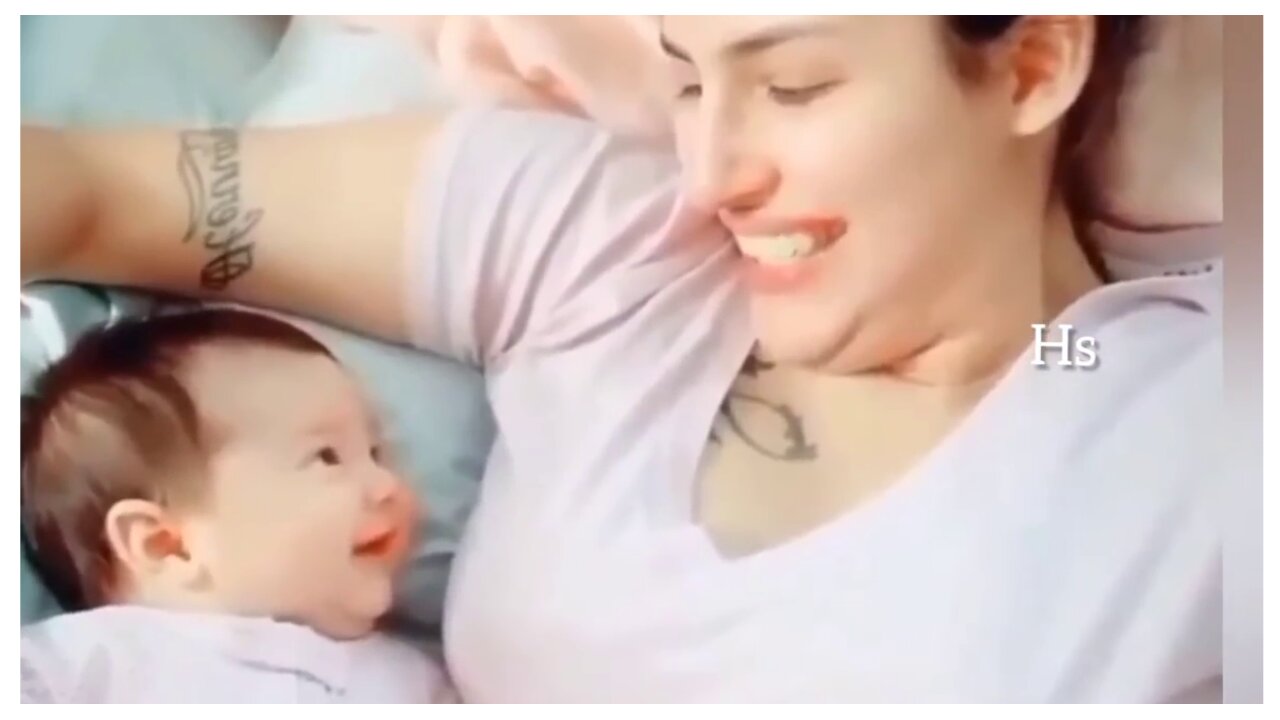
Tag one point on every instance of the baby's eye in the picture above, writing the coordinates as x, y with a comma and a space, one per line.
375, 452
328, 455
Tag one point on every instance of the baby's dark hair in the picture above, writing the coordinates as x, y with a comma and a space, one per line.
113, 420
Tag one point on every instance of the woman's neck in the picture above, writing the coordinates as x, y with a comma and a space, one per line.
991, 323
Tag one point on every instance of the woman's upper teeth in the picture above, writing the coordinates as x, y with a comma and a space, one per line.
777, 248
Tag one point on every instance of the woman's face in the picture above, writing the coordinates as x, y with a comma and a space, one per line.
857, 173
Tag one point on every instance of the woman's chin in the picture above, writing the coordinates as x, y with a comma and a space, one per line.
790, 352
787, 340
799, 330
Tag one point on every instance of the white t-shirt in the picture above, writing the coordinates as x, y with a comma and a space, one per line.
130, 654
1061, 545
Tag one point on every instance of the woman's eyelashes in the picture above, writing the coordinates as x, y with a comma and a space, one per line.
801, 94
689, 92
788, 95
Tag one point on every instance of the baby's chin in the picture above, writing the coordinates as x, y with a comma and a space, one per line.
351, 625
357, 613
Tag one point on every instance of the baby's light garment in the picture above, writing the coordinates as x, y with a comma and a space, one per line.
129, 654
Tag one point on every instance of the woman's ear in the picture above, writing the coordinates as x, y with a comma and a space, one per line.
1049, 61
148, 545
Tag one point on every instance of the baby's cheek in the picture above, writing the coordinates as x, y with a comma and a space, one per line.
373, 596
324, 546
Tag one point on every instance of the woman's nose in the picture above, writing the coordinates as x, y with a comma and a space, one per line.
732, 186
722, 180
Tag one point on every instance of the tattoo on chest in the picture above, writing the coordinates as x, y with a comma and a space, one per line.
778, 432
209, 166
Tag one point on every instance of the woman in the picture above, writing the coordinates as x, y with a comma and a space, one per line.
890, 502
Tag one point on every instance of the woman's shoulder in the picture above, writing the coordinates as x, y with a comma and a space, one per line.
504, 136
1158, 316
529, 223
1153, 365
1158, 371
568, 180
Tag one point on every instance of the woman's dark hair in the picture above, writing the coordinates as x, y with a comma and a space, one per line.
1089, 123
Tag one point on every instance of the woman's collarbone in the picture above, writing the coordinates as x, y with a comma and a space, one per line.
792, 450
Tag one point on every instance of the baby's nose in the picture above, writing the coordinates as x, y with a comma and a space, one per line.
389, 491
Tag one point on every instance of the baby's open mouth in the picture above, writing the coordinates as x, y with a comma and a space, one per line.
380, 542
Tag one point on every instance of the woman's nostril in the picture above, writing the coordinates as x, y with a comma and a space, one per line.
739, 187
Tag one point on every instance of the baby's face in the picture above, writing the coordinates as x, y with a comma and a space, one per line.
305, 522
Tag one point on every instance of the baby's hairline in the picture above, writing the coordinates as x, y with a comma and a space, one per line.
157, 446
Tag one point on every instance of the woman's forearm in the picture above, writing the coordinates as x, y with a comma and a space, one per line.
309, 220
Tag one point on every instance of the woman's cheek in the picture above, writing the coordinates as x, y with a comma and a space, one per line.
828, 149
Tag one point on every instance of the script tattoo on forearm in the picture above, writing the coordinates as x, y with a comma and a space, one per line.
797, 448
209, 166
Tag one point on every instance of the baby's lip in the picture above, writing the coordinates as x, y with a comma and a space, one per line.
381, 540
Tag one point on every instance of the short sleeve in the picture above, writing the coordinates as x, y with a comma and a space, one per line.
524, 220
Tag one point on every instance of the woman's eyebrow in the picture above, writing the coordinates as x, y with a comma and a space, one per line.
762, 40
759, 41
672, 49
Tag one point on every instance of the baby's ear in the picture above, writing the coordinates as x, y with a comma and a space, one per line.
148, 544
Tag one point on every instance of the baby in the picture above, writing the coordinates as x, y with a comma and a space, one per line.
207, 491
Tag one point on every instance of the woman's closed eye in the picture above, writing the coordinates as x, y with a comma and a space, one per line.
800, 94
692, 91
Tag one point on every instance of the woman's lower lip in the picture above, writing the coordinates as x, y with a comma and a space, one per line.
777, 278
